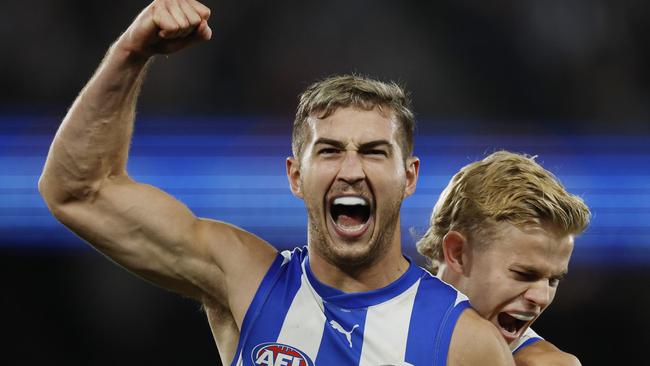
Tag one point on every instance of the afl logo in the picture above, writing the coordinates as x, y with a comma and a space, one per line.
278, 354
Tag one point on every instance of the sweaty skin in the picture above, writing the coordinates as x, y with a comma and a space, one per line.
86, 186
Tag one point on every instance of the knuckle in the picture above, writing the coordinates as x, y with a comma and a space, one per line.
194, 22
174, 27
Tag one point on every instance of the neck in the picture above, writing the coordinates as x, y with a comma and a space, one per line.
450, 277
378, 274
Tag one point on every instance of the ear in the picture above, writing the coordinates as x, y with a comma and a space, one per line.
454, 247
412, 171
293, 175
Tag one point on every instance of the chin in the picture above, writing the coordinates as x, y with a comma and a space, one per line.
352, 254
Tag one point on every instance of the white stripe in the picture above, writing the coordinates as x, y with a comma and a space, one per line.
287, 257
460, 297
240, 361
528, 334
304, 324
385, 334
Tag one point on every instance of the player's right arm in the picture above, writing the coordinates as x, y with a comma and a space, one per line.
86, 186
476, 342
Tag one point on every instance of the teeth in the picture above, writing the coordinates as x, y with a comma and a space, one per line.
349, 201
350, 229
522, 317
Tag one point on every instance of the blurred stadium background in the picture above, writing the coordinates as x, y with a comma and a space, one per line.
566, 81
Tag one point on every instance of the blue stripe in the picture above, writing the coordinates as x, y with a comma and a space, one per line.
447, 329
335, 340
527, 343
274, 296
432, 306
258, 301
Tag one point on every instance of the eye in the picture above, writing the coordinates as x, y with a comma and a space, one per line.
376, 152
554, 282
328, 151
524, 276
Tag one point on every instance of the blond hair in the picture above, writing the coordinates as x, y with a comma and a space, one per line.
325, 96
503, 187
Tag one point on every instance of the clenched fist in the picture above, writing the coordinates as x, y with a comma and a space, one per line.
166, 26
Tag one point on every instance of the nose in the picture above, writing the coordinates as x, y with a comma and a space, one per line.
351, 170
539, 293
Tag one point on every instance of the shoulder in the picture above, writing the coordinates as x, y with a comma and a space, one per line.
545, 353
475, 341
439, 291
232, 247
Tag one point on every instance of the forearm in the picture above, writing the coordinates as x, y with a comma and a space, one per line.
544, 353
92, 142
86, 187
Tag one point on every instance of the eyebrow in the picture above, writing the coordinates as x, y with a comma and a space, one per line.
365, 146
325, 141
560, 275
376, 143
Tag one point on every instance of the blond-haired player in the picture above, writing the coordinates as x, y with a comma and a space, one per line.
502, 232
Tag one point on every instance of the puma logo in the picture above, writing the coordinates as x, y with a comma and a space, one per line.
338, 327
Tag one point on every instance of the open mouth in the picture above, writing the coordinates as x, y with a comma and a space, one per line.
512, 324
350, 215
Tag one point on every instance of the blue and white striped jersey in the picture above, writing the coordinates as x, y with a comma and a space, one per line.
295, 320
529, 337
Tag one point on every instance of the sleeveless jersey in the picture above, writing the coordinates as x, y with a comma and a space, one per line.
295, 320
529, 337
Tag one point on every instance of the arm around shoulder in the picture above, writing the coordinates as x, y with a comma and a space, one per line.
544, 353
475, 341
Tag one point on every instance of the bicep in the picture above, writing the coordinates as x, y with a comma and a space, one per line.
136, 225
475, 341
157, 237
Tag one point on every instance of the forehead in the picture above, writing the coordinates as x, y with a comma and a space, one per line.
537, 248
355, 125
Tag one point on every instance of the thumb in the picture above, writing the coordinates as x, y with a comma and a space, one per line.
203, 31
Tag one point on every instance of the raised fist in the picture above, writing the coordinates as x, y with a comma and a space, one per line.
166, 26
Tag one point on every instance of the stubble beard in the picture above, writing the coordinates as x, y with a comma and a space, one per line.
353, 260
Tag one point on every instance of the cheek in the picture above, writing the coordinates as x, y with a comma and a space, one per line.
482, 295
481, 303
492, 293
317, 177
551, 295
390, 182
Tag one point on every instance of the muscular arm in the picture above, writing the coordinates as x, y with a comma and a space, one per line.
86, 186
543, 353
476, 341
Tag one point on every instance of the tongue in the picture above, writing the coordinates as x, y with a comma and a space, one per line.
348, 221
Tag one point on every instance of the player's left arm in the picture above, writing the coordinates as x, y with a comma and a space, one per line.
544, 353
